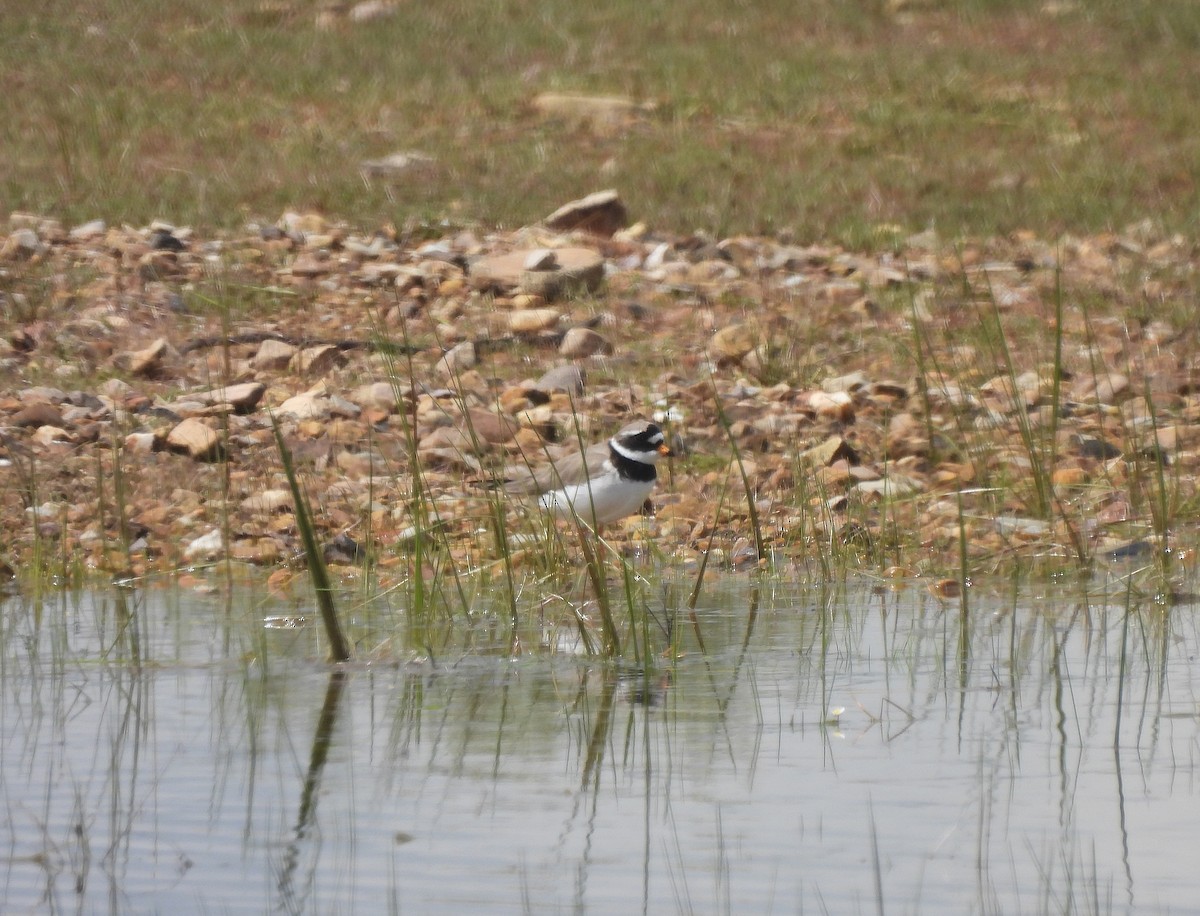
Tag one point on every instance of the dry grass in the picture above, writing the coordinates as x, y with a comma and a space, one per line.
829, 120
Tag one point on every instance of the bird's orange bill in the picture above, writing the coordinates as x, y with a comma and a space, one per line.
665, 450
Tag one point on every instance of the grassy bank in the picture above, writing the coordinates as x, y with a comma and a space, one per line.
826, 118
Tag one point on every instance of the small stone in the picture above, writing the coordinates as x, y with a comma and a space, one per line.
449, 459
469, 381
141, 443
344, 549
580, 270
851, 382
49, 435
368, 10
526, 301
89, 230
891, 487
320, 244
158, 265
195, 439
36, 415
268, 501
308, 266
396, 164
837, 406
458, 359
117, 389
835, 448
451, 286
946, 589
515, 400
242, 398
581, 342
733, 342
22, 245
541, 259
600, 214
319, 360
309, 405
492, 427
1167, 438
378, 395
449, 438
1107, 388
206, 546
1029, 528
749, 436
907, 435
531, 321
273, 355
146, 361
662, 254
302, 223
343, 409
258, 551
569, 378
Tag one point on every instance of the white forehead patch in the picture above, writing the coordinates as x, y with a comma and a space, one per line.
647, 457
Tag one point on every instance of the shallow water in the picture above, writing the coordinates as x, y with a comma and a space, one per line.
166, 752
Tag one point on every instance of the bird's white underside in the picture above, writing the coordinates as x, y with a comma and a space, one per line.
606, 498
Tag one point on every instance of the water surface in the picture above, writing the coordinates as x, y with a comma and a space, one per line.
165, 752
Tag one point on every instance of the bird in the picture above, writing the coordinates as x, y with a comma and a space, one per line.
602, 484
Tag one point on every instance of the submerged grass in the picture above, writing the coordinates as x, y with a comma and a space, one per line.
339, 648
601, 740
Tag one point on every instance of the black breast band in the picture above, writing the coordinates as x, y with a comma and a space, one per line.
628, 469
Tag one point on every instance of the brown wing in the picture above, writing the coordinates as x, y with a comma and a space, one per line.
521, 480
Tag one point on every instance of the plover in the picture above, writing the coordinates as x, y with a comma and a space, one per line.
606, 482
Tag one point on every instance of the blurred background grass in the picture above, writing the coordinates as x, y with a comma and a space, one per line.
827, 119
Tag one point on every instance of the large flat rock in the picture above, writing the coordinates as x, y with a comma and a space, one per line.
577, 270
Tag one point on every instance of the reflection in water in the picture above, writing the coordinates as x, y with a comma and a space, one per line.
322, 739
1028, 753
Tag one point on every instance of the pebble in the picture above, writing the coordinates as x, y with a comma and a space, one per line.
194, 438
800, 367
319, 360
397, 163
601, 213
579, 270
146, 361
567, 378
307, 405
273, 355
540, 259
458, 358
141, 443
837, 406
532, 321
733, 342
88, 230
36, 415
267, 501
242, 397
207, 546
581, 342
